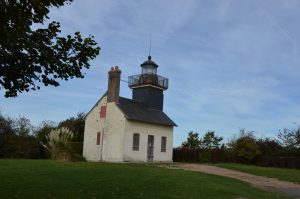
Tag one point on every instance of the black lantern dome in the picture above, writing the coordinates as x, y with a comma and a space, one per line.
148, 77
149, 67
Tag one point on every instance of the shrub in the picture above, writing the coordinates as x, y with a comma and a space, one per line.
77, 157
16, 140
205, 156
58, 144
269, 147
244, 149
77, 147
15, 146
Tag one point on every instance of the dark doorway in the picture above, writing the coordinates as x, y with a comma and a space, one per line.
150, 148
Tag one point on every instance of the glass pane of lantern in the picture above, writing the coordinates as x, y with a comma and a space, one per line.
149, 70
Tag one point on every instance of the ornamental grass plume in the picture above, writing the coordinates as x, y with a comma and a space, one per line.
58, 144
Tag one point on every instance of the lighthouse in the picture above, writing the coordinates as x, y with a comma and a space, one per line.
148, 87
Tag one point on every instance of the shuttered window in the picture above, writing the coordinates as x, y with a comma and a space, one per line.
102, 112
98, 138
163, 144
136, 142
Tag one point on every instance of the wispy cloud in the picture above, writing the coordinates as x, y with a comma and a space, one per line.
279, 28
232, 64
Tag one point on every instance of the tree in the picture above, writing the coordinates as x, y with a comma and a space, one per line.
30, 56
192, 141
23, 126
43, 130
210, 140
290, 138
15, 138
6, 125
244, 148
269, 147
76, 125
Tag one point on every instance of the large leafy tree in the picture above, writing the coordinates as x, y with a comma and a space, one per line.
244, 148
192, 141
290, 138
76, 125
31, 56
15, 138
210, 140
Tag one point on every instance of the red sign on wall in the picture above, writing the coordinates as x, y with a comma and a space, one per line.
102, 111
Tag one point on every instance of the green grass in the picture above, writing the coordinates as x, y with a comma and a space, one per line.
291, 175
50, 179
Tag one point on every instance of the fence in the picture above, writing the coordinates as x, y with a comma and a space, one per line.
199, 155
284, 162
222, 155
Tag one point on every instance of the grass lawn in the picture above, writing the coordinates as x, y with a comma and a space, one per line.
292, 175
50, 179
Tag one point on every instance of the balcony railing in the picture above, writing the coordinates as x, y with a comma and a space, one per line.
142, 79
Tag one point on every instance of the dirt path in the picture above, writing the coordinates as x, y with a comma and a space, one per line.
271, 184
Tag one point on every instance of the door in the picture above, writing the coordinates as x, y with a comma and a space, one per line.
150, 148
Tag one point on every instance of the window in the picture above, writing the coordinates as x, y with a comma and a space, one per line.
102, 111
136, 142
163, 144
98, 138
149, 70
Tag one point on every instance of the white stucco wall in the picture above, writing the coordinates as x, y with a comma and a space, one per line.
117, 137
145, 129
93, 125
113, 134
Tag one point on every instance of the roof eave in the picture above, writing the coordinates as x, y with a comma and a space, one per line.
96, 104
169, 125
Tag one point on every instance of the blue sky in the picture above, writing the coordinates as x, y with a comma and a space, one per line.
232, 64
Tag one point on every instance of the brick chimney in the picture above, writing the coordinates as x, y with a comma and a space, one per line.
113, 90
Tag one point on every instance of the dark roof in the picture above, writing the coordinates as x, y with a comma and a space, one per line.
149, 62
134, 110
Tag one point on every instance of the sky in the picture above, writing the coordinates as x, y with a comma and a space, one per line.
231, 64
